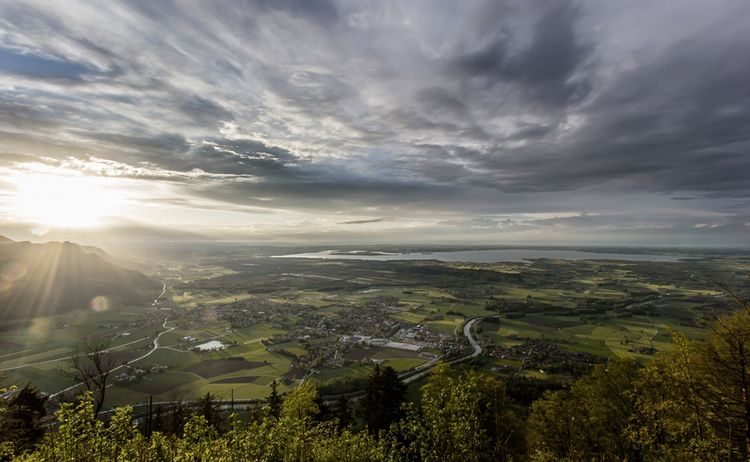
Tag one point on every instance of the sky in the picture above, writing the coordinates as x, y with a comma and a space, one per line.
471, 122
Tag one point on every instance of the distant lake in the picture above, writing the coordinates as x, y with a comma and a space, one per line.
485, 256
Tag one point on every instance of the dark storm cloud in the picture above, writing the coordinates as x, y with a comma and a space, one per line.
671, 126
544, 69
440, 100
324, 190
174, 153
474, 107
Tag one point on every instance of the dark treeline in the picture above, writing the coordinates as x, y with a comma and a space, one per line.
690, 404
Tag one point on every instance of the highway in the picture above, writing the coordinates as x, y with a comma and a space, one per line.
426, 368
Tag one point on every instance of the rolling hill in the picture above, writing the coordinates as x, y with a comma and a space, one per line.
55, 277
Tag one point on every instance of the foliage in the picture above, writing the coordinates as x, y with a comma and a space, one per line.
694, 403
274, 401
20, 419
291, 437
384, 395
690, 404
466, 418
589, 421
300, 403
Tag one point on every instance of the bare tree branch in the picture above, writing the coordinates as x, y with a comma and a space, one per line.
92, 368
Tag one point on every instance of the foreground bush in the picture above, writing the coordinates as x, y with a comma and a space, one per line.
691, 404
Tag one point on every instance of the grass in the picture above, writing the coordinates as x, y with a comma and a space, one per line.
426, 296
611, 337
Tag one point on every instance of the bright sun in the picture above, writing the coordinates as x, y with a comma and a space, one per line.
63, 201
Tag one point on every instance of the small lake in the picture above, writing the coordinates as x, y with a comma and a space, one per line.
486, 256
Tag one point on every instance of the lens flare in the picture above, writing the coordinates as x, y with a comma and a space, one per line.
99, 303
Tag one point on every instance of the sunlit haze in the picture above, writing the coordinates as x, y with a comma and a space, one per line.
63, 201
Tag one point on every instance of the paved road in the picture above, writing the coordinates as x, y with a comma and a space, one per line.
66, 358
163, 291
426, 368
154, 347
156, 301
472, 341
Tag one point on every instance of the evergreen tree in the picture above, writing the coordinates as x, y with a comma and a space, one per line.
274, 401
177, 418
157, 422
21, 420
324, 411
209, 409
384, 395
343, 414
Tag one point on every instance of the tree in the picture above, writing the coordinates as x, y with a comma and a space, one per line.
209, 409
589, 421
468, 417
343, 413
157, 423
274, 401
178, 417
92, 368
384, 395
666, 423
724, 367
300, 403
696, 400
20, 420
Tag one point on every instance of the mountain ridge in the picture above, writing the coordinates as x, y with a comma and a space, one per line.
56, 277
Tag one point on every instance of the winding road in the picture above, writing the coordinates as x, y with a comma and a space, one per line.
154, 347
424, 369
67, 358
163, 291
472, 341
407, 378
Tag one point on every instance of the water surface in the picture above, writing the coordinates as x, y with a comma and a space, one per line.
486, 256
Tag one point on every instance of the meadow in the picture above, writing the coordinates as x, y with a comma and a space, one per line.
606, 309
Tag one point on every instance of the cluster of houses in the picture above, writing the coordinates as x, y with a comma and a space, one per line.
253, 311
545, 355
371, 326
133, 374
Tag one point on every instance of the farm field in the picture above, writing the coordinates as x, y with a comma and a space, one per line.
332, 322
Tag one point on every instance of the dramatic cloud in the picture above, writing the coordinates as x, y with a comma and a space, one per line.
493, 121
